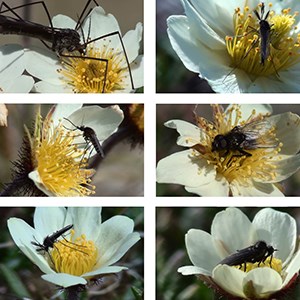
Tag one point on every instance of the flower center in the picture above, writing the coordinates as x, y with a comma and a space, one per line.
270, 262
60, 164
136, 112
74, 256
263, 48
233, 164
98, 71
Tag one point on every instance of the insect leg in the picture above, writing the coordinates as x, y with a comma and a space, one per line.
123, 48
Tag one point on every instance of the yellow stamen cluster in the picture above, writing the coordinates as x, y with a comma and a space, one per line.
234, 165
282, 45
98, 71
74, 256
60, 165
274, 263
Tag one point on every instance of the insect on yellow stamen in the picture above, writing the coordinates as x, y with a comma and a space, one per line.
75, 256
233, 155
267, 48
86, 75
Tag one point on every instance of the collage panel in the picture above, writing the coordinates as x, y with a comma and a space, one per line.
227, 46
227, 253
228, 150
67, 253
72, 150
71, 46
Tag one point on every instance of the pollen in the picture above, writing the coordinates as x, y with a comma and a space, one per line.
74, 256
98, 71
60, 165
232, 164
248, 51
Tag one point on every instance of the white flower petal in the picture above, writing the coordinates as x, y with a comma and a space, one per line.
132, 41
43, 64
62, 21
215, 188
12, 63
23, 235
86, 220
104, 121
21, 84
184, 46
292, 269
181, 169
233, 227
287, 131
64, 280
105, 270
203, 249
115, 238
264, 281
137, 71
190, 134
257, 189
280, 229
47, 87
229, 279
192, 270
60, 111
47, 220
36, 178
99, 23
201, 30
286, 167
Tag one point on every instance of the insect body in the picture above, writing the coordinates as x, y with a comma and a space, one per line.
258, 252
90, 138
264, 32
61, 39
253, 135
49, 240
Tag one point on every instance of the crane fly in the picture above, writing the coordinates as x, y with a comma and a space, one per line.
62, 40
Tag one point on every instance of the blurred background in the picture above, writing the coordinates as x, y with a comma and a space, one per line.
172, 225
171, 75
19, 277
128, 13
121, 172
166, 141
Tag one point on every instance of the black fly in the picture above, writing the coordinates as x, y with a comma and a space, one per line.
264, 33
90, 137
252, 135
256, 253
49, 240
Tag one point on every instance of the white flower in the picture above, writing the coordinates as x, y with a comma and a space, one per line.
208, 172
67, 75
231, 230
12, 66
96, 245
57, 148
215, 39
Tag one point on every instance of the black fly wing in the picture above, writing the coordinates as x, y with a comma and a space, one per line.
258, 134
240, 257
